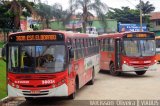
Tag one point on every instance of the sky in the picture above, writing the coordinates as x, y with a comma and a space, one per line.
111, 3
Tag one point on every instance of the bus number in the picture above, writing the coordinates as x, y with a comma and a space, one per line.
48, 81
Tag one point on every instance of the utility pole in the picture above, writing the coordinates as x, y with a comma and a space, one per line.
140, 15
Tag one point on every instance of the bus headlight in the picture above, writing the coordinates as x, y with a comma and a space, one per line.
124, 62
155, 60
17, 86
63, 81
53, 86
59, 83
13, 84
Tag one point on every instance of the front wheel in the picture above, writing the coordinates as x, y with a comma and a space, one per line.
140, 72
91, 82
112, 70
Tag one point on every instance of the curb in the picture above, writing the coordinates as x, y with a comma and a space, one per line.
6, 99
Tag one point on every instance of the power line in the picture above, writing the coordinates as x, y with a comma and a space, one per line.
131, 3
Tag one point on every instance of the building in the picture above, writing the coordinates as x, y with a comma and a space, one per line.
76, 25
155, 23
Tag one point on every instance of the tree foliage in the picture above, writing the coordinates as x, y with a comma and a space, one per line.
6, 17
60, 14
146, 7
87, 6
11, 12
45, 13
124, 15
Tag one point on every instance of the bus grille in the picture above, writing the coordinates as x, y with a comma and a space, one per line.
28, 93
32, 86
140, 68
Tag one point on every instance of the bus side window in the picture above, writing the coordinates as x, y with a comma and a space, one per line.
85, 46
82, 47
70, 48
86, 49
103, 41
75, 50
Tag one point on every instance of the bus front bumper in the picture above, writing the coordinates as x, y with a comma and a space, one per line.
127, 68
55, 92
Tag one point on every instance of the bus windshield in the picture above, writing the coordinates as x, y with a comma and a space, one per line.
37, 59
139, 48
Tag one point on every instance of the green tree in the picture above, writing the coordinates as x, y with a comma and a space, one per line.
87, 6
61, 15
6, 21
124, 15
45, 13
146, 7
17, 7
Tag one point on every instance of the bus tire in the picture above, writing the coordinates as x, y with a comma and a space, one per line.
112, 70
140, 72
91, 82
29, 98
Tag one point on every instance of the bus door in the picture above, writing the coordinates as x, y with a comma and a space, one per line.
71, 70
117, 53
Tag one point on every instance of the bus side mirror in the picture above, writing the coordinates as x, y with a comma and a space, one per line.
3, 53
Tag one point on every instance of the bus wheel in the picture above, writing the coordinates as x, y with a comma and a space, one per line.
29, 98
73, 95
112, 70
140, 72
91, 82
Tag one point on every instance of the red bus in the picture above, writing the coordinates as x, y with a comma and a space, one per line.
50, 63
158, 49
128, 52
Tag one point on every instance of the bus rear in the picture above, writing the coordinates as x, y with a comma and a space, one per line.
37, 65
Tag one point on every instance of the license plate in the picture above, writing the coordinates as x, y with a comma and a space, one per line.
35, 92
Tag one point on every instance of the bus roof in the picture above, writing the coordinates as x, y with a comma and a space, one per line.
65, 33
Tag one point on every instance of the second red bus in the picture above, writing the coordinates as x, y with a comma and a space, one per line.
128, 52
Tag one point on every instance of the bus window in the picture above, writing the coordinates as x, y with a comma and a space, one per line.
38, 59
147, 47
131, 48
14, 58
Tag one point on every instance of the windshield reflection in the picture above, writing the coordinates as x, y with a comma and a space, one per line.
139, 48
37, 59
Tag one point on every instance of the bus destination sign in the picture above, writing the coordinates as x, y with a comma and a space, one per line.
53, 37
140, 35
137, 35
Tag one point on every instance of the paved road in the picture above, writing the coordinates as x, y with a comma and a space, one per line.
128, 86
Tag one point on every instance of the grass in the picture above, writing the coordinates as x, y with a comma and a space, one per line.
1, 44
3, 92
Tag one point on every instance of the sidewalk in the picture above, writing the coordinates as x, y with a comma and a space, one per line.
5, 100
